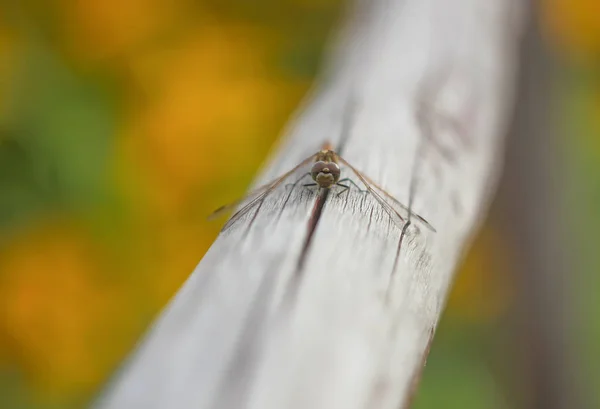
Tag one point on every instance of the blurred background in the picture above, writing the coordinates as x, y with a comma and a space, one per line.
124, 123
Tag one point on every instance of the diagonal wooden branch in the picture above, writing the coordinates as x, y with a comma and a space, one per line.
318, 301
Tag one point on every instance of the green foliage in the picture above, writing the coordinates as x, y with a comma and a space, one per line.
54, 150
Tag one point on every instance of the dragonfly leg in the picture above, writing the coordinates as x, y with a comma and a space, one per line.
345, 189
351, 182
298, 181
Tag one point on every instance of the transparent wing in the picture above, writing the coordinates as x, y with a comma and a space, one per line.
386, 206
371, 186
397, 202
256, 196
229, 206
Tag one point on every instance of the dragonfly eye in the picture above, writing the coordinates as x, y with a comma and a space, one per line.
325, 173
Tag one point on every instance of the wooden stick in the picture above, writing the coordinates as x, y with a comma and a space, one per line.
315, 304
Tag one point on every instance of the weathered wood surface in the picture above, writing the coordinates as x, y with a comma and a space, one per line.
278, 315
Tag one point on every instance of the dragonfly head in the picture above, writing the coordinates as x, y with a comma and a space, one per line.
326, 174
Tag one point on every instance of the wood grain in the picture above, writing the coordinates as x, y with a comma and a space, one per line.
293, 309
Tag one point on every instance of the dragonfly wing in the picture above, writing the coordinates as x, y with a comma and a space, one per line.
399, 204
257, 195
386, 206
224, 209
375, 190
250, 205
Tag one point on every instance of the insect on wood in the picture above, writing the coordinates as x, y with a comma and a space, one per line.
326, 173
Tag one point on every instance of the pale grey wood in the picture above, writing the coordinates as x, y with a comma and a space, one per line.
250, 328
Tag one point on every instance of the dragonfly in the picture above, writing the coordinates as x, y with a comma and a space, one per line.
325, 173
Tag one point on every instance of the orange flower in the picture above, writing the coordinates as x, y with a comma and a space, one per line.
49, 301
7, 59
208, 101
483, 285
61, 312
573, 25
99, 29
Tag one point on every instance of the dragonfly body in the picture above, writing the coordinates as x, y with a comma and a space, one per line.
326, 172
